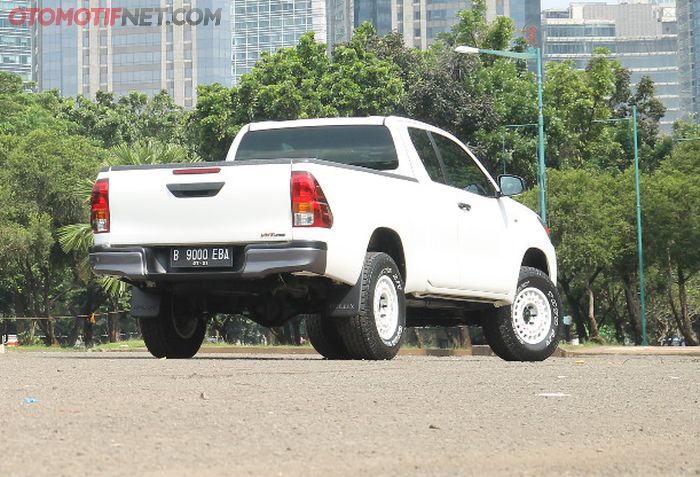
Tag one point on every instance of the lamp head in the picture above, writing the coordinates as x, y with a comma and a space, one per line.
468, 50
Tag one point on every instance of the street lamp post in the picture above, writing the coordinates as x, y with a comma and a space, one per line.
530, 54
640, 252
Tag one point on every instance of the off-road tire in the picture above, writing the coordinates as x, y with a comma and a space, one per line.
323, 334
513, 334
165, 339
361, 335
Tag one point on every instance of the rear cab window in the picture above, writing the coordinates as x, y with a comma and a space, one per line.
370, 146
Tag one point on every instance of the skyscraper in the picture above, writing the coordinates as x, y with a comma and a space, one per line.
688, 12
422, 21
148, 53
266, 25
346, 15
15, 42
642, 36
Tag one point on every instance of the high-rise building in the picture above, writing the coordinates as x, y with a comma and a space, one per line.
266, 25
525, 13
641, 35
346, 15
148, 52
15, 41
688, 12
421, 21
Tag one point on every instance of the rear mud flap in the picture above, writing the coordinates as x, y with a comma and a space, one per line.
144, 304
344, 301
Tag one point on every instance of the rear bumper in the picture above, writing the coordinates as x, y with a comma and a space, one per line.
250, 261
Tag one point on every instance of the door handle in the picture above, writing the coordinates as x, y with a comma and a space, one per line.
463, 206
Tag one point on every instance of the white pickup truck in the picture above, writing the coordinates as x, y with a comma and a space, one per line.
364, 225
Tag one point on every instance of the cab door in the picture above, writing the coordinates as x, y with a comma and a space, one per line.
484, 251
438, 215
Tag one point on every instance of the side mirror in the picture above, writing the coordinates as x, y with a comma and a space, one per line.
511, 185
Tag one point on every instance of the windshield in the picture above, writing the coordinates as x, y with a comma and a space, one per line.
366, 146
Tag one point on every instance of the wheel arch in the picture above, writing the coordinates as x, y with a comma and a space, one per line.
536, 258
386, 240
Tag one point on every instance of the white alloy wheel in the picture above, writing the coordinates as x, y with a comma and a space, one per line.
531, 315
386, 307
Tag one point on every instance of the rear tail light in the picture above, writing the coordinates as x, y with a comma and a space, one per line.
309, 205
99, 206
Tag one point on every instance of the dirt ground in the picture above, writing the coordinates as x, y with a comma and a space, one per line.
72, 414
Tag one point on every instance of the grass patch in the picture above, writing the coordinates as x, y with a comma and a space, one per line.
140, 345
36, 347
587, 344
130, 344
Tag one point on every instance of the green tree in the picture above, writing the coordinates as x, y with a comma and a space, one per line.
10, 83
672, 224
129, 119
586, 232
76, 239
295, 83
215, 121
36, 175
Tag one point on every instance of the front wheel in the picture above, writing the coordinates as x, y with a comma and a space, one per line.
377, 330
177, 332
529, 329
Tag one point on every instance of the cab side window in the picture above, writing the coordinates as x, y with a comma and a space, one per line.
426, 152
461, 170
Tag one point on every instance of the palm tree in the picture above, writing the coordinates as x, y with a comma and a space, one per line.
148, 152
78, 238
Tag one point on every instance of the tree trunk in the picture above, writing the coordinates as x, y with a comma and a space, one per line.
685, 325
271, 337
576, 310
74, 332
296, 329
88, 330
25, 328
619, 328
418, 337
113, 320
49, 325
633, 309
681, 316
465, 337
51, 339
592, 324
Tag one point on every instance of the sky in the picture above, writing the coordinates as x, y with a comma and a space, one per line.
565, 3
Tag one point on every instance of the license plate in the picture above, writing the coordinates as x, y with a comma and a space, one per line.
204, 257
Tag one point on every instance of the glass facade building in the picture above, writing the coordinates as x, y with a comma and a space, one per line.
688, 12
259, 26
346, 15
15, 41
421, 21
643, 37
81, 60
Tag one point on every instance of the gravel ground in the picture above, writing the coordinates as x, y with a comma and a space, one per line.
129, 414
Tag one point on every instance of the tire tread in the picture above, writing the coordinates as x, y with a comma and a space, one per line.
498, 327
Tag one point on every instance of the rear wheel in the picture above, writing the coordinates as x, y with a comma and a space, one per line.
529, 329
377, 330
325, 338
177, 332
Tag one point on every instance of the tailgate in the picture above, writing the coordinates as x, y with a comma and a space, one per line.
238, 204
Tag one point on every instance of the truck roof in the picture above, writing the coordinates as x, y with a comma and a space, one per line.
367, 120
